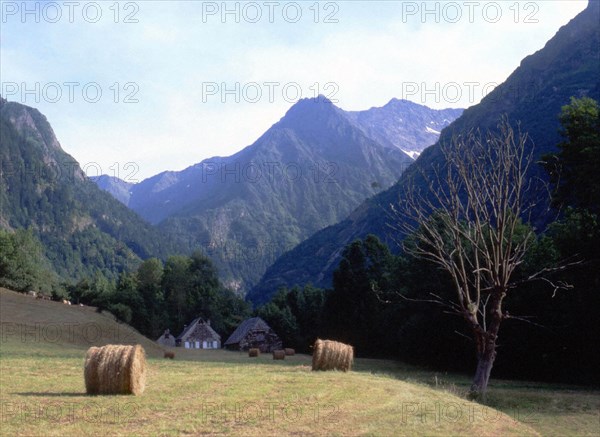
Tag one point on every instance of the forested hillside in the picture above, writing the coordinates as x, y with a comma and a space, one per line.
78, 229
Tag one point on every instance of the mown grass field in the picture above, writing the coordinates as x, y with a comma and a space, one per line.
42, 390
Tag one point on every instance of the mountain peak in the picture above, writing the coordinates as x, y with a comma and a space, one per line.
319, 99
397, 102
319, 103
311, 111
31, 123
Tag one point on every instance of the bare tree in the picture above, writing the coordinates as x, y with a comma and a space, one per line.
467, 219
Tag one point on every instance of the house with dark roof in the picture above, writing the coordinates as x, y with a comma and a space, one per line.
254, 333
166, 339
198, 335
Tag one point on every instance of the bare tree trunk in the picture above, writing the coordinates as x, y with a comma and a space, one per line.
485, 362
486, 344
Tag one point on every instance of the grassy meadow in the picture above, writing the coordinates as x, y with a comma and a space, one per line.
42, 391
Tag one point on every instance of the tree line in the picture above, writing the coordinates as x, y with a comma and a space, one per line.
159, 296
156, 296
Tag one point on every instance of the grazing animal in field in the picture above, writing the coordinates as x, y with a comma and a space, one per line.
170, 355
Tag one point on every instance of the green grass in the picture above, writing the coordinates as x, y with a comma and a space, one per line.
550, 409
227, 393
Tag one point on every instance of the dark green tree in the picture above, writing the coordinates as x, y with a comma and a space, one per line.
278, 314
22, 263
574, 169
353, 306
296, 315
176, 284
307, 305
152, 312
205, 289
127, 304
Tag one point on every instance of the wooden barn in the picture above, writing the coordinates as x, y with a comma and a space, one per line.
166, 339
254, 333
199, 335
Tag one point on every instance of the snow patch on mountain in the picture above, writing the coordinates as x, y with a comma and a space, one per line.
413, 154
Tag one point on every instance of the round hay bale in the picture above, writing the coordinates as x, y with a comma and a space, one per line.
115, 369
332, 355
289, 351
169, 354
279, 355
90, 370
253, 352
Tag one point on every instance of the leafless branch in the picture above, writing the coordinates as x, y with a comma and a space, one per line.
455, 309
524, 319
463, 335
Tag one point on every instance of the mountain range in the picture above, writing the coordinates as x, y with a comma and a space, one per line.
308, 171
532, 96
280, 211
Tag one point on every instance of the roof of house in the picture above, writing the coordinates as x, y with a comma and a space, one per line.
255, 323
164, 336
201, 328
166, 339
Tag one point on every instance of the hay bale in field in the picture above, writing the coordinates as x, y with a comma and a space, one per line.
115, 369
279, 355
253, 352
332, 355
289, 351
170, 355
90, 370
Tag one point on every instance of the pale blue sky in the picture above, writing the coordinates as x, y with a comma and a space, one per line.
170, 56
